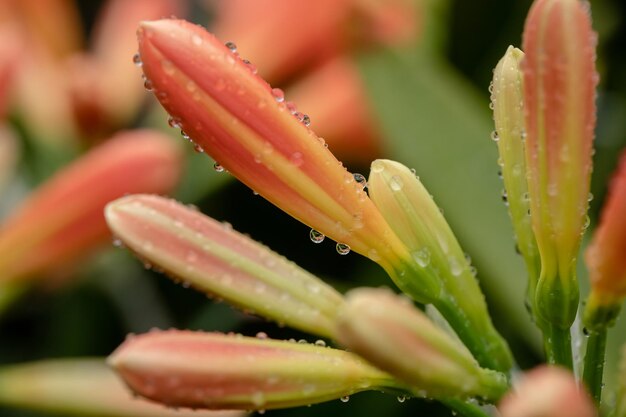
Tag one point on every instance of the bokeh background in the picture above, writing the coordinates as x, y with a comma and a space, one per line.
421, 80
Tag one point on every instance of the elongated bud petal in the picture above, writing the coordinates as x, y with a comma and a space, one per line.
510, 134
208, 370
80, 387
606, 256
212, 257
559, 101
547, 392
236, 118
398, 338
442, 271
64, 218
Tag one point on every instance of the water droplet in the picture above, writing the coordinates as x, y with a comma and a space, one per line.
316, 237
296, 159
117, 242
137, 60
343, 249
278, 94
492, 105
184, 135
377, 168
261, 335
590, 197
291, 107
473, 270
396, 183
320, 342
401, 398
490, 88
306, 120
173, 122
360, 179
505, 198
147, 84
494, 136
218, 168
250, 66
231, 46
455, 266
196, 40
587, 222
345, 398
422, 257
299, 116
198, 149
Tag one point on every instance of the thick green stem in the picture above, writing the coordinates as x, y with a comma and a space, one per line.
558, 345
594, 363
464, 409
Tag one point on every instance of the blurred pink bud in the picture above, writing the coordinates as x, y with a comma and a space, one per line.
103, 87
547, 392
214, 258
560, 80
64, 218
245, 125
9, 155
10, 53
606, 255
334, 96
80, 387
210, 370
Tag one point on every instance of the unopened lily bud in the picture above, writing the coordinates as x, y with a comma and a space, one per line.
214, 258
508, 113
85, 387
247, 127
63, 219
415, 218
559, 101
398, 338
606, 256
216, 371
547, 392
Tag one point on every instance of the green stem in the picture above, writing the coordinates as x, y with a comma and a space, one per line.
558, 345
464, 409
594, 363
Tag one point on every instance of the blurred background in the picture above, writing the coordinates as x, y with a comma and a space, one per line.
400, 79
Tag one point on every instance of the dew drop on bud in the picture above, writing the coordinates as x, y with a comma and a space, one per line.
218, 168
494, 136
198, 148
147, 84
401, 398
278, 94
184, 135
117, 242
306, 120
316, 237
343, 249
231, 46
320, 343
396, 183
251, 66
173, 122
261, 335
345, 398
137, 60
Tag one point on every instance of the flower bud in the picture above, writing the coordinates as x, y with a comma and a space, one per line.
547, 392
440, 262
398, 338
510, 134
63, 219
80, 387
216, 371
559, 102
214, 258
605, 256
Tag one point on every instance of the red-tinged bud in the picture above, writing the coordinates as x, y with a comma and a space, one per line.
80, 387
547, 392
334, 97
10, 53
64, 218
105, 94
559, 79
216, 371
606, 256
214, 258
236, 117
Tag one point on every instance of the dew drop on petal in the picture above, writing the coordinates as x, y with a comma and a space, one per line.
401, 398
306, 120
173, 122
231, 46
360, 179
316, 237
396, 183
343, 249
217, 167
345, 398
137, 60
320, 343
422, 257
278, 94
261, 335
494, 136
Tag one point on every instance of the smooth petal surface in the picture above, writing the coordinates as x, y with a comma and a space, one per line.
85, 387
210, 370
236, 118
559, 101
442, 274
508, 113
214, 258
397, 337
547, 392
63, 220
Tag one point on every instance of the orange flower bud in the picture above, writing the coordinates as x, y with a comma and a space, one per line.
80, 387
214, 258
559, 99
547, 392
216, 371
64, 218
